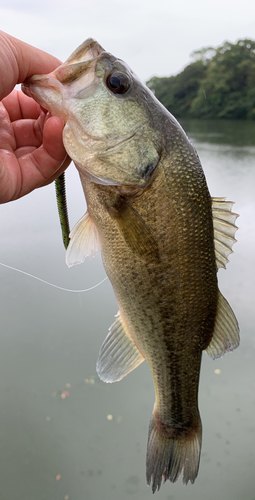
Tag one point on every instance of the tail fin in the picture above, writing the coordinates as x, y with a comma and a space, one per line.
171, 451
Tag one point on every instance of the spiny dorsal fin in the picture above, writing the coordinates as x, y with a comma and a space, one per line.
224, 229
118, 355
84, 241
226, 330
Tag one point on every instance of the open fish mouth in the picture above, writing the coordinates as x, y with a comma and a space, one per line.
98, 135
48, 89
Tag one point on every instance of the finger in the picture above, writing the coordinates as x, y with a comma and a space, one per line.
29, 132
61, 169
7, 139
10, 178
20, 176
20, 60
20, 106
52, 137
44, 162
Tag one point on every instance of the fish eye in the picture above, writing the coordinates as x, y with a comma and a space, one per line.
118, 83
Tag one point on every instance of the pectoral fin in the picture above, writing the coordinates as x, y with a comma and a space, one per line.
84, 241
118, 355
134, 231
226, 330
224, 229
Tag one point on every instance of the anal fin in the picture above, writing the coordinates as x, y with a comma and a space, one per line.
226, 330
118, 355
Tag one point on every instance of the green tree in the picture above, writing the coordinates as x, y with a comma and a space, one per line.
227, 89
177, 92
220, 83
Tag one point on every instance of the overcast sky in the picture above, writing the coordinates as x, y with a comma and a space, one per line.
154, 38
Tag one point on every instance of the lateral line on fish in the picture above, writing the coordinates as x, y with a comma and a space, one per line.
51, 284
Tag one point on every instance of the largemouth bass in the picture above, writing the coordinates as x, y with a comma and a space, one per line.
162, 239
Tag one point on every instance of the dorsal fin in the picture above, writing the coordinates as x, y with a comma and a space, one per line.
84, 241
224, 229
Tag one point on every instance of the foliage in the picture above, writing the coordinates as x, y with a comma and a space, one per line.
220, 83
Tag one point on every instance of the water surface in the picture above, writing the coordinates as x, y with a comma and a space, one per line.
91, 444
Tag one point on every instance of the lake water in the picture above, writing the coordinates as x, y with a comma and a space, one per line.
65, 435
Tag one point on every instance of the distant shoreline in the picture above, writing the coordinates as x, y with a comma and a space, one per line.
219, 84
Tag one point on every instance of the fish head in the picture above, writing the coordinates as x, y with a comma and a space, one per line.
109, 130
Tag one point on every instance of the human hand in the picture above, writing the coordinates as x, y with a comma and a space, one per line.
31, 148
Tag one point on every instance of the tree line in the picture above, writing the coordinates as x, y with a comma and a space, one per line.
219, 83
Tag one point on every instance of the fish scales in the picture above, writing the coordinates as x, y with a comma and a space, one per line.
162, 239
164, 309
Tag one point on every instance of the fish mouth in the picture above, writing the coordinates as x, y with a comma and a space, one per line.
82, 72
88, 50
79, 61
25, 87
47, 89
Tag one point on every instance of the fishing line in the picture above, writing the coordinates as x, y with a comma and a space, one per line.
51, 284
